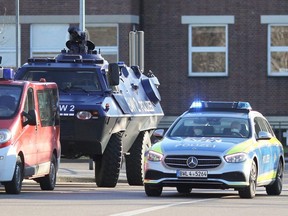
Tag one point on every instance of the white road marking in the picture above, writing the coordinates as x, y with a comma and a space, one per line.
155, 208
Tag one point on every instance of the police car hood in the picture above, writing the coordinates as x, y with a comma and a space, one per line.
178, 145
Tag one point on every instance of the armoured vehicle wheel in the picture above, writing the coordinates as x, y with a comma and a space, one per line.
250, 191
153, 190
276, 187
48, 182
184, 189
135, 160
15, 185
107, 167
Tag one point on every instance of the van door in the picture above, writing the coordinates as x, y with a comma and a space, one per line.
28, 139
48, 132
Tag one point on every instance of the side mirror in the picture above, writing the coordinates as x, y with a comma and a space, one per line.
157, 135
113, 74
263, 135
30, 116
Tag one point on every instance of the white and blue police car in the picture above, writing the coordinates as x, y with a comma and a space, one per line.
217, 145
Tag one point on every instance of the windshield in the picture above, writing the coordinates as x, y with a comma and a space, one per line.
9, 100
73, 80
211, 127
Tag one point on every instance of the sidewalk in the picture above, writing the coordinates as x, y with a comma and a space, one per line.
78, 170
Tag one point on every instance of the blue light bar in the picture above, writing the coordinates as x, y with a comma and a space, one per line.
220, 106
6, 73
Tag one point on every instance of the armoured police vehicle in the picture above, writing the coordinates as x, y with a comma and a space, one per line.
108, 110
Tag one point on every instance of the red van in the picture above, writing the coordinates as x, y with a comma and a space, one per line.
29, 132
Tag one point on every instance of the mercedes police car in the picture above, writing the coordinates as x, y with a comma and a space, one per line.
217, 145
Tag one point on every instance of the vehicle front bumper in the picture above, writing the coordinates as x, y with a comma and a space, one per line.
227, 175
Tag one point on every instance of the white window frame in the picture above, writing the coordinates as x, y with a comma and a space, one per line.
209, 20
274, 20
109, 50
207, 49
275, 49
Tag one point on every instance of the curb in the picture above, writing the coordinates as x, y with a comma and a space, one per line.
82, 179
75, 179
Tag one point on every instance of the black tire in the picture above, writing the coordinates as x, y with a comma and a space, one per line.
15, 185
107, 168
135, 160
276, 187
153, 190
184, 189
250, 191
48, 182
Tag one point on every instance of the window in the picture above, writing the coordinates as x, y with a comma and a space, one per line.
208, 44
105, 38
208, 50
48, 107
29, 103
219, 126
47, 40
263, 125
278, 50
8, 44
67, 79
10, 96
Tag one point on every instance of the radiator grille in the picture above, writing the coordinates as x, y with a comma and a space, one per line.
204, 162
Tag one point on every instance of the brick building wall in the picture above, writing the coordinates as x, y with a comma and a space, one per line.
166, 47
167, 55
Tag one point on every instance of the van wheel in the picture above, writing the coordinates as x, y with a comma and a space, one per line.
250, 191
107, 168
276, 187
15, 185
48, 182
135, 160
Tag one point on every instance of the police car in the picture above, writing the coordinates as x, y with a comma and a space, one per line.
217, 145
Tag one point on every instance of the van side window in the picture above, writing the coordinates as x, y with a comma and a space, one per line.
29, 102
55, 106
48, 107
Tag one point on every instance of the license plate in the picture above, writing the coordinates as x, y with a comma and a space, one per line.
192, 173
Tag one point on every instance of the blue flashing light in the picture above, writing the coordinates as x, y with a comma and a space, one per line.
244, 105
196, 105
6, 73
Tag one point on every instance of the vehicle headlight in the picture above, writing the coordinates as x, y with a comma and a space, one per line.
84, 115
5, 135
153, 156
235, 158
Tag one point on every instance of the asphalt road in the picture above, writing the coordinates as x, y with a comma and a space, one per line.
77, 197
124, 200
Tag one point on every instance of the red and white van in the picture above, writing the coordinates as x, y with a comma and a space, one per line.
29, 132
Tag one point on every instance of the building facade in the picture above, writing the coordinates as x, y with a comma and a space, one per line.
234, 50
